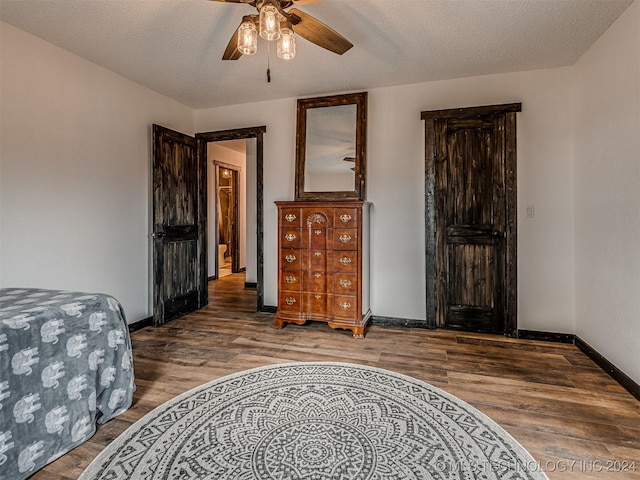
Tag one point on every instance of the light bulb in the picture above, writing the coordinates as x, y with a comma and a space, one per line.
247, 38
286, 44
269, 22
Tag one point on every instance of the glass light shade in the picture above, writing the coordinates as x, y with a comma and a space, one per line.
269, 22
247, 38
286, 44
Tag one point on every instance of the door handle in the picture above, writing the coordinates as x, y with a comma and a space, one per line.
158, 235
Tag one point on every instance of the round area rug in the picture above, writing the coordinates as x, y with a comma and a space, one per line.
315, 421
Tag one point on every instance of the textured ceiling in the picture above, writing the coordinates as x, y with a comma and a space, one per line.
175, 46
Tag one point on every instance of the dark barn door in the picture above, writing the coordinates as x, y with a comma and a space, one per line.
178, 226
473, 217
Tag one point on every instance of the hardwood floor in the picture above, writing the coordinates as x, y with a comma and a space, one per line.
573, 418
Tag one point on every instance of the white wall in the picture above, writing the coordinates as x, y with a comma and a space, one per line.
395, 173
218, 152
607, 194
75, 170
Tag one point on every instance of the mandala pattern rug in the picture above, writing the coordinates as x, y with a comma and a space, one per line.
315, 421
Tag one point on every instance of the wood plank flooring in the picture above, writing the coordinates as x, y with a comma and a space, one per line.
573, 418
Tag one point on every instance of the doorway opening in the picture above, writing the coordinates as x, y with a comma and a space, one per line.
233, 159
227, 208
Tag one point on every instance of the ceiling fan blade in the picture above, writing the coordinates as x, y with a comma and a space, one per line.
317, 32
232, 52
288, 3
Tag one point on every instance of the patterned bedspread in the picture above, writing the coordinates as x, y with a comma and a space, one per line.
65, 365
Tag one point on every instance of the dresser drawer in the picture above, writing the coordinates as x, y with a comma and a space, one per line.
315, 260
345, 218
290, 259
290, 237
319, 216
345, 306
345, 284
290, 302
316, 281
290, 217
344, 239
291, 280
315, 237
316, 303
344, 261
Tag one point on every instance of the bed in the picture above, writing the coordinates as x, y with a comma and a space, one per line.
65, 365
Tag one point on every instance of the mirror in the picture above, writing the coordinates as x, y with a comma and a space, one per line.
330, 147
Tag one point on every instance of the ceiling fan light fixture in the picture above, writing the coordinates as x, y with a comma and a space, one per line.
247, 37
274, 22
269, 21
286, 43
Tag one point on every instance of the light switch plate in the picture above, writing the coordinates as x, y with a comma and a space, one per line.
531, 211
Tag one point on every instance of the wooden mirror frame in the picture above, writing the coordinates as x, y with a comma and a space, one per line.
304, 104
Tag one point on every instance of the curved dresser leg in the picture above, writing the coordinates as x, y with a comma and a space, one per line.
278, 322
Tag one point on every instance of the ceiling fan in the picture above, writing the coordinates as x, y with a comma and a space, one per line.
274, 22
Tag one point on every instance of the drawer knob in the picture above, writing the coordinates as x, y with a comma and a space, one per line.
318, 232
290, 237
345, 238
345, 260
290, 300
290, 217
318, 296
318, 275
345, 217
290, 279
317, 253
345, 283
345, 305
290, 258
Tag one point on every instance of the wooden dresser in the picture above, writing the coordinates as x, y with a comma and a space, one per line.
323, 265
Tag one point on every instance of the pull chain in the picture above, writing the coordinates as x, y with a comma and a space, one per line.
268, 63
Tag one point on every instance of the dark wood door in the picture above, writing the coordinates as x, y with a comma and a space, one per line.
474, 218
179, 256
